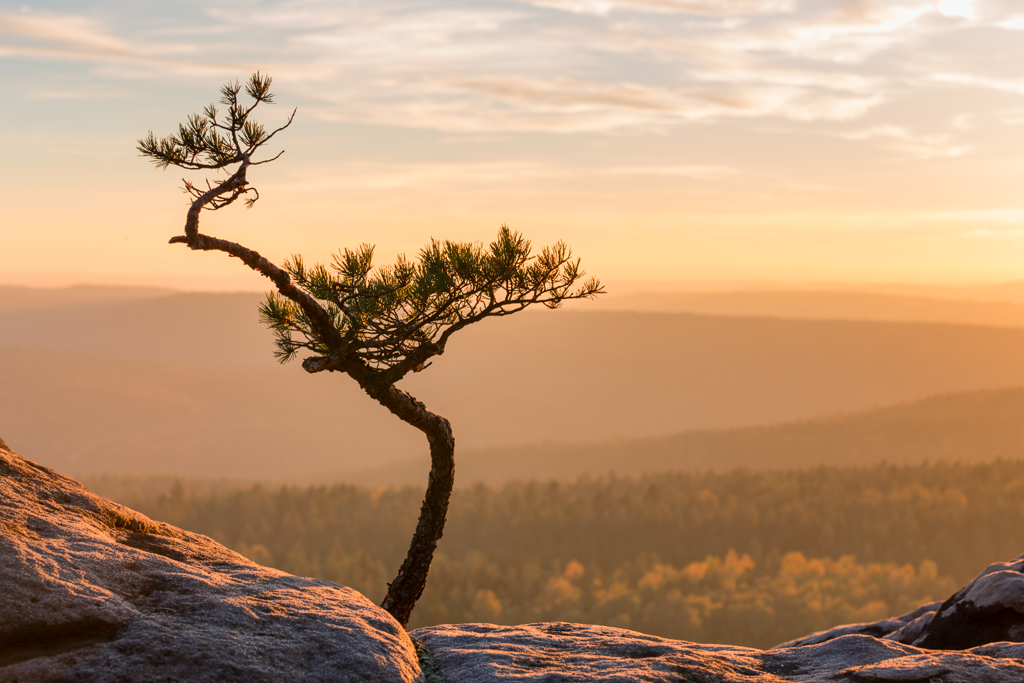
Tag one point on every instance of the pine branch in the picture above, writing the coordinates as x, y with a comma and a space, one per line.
374, 324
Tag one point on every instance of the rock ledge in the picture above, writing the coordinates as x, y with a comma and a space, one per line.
93, 591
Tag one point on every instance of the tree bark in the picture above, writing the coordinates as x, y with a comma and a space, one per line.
319, 318
407, 587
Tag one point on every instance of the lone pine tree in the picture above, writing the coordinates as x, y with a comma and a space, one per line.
374, 324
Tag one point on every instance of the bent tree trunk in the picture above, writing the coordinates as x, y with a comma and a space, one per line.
407, 587
376, 325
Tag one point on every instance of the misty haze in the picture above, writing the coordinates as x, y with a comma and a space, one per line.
759, 414
100, 382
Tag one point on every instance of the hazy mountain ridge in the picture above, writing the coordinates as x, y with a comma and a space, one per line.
185, 384
136, 417
14, 298
156, 325
973, 427
827, 305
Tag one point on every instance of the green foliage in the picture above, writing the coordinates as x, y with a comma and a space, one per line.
431, 671
387, 314
743, 557
376, 325
350, 315
206, 142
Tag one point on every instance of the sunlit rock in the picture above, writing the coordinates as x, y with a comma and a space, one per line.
909, 626
577, 653
93, 591
975, 636
989, 609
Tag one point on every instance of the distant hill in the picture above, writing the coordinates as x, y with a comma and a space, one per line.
25, 298
1008, 291
969, 428
1012, 290
185, 384
139, 325
828, 305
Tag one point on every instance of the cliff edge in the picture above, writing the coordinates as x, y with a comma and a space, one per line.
91, 590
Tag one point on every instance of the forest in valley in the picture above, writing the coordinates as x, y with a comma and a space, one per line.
742, 557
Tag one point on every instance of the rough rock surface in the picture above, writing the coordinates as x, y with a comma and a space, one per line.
989, 609
577, 653
976, 636
93, 591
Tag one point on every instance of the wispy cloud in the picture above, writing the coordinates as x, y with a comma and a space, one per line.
1008, 216
705, 7
61, 33
1013, 117
709, 173
914, 144
957, 8
1015, 23
392, 176
78, 38
981, 81
599, 65
78, 93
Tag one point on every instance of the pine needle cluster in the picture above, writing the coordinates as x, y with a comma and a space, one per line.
390, 314
208, 142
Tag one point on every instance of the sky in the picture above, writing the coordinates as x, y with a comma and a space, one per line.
671, 143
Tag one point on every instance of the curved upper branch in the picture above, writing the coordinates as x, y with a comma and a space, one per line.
380, 323
207, 142
320, 321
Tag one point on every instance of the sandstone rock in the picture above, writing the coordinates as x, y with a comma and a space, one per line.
975, 636
989, 609
915, 619
576, 653
93, 591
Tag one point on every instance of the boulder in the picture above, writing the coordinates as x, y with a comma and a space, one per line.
578, 653
989, 609
93, 591
977, 635
905, 624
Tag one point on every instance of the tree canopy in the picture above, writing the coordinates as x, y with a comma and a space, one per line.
374, 324
394, 318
